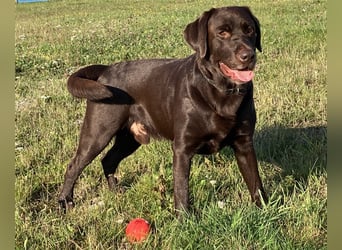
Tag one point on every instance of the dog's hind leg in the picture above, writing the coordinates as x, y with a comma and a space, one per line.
124, 145
100, 125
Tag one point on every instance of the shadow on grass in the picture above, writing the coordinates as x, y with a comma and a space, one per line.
296, 151
43, 194
288, 156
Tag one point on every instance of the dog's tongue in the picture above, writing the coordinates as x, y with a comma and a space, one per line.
237, 75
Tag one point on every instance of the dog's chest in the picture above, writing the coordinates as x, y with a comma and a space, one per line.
215, 134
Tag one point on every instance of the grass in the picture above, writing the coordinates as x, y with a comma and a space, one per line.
55, 38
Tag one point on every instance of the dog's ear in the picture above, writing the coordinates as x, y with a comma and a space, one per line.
258, 38
196, 33
258, 32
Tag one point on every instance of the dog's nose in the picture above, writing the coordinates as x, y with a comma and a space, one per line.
246, 55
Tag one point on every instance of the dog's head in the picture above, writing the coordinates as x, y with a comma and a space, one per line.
227, 37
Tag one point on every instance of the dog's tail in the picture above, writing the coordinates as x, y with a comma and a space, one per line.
83, 83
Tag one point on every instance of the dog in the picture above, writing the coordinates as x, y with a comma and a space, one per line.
201, 103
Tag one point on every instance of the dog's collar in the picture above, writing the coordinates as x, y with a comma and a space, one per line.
237, 90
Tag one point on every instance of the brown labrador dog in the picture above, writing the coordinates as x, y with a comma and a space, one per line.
201, 103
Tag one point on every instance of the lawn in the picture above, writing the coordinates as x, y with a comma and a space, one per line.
55, 38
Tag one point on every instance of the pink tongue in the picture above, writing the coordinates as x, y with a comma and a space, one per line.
237, 75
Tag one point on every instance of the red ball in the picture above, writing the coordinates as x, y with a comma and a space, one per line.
137, 230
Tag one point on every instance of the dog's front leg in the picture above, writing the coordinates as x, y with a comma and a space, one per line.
181, 173
246, 159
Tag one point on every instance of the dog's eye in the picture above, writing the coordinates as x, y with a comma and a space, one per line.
224, 34
247, 29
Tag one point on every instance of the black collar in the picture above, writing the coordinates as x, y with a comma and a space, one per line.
236, 90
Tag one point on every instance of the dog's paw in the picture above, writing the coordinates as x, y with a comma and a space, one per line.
112, 182
113, 185
65, 205
260, 198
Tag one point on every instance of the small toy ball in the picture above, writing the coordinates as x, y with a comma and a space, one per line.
137, 230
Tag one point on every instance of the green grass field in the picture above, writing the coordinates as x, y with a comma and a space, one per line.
55, 38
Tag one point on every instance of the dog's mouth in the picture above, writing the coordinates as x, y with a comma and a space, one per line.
237, 75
